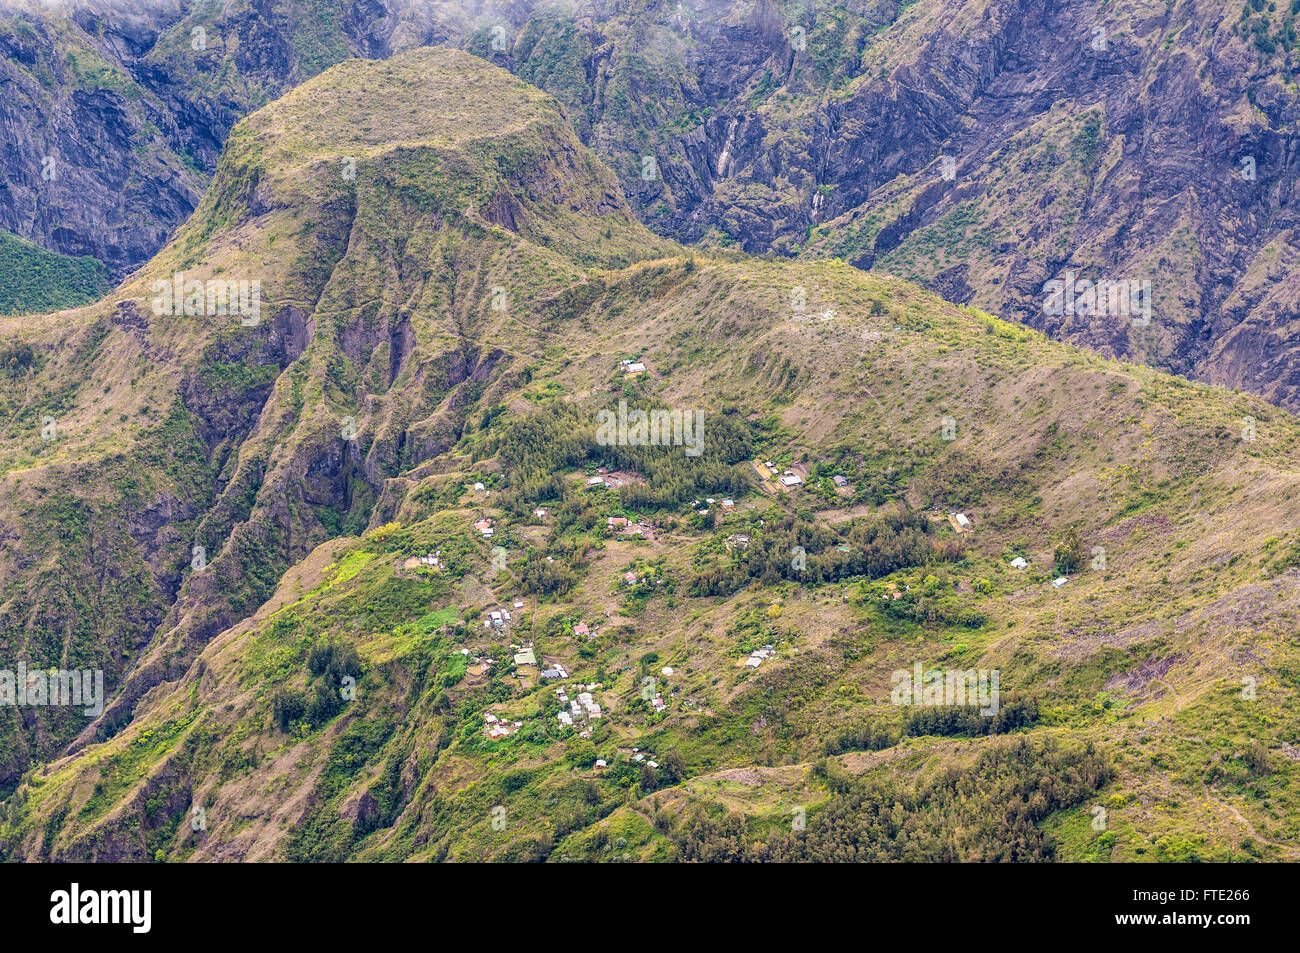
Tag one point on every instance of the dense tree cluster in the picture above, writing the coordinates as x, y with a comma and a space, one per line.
20, 360
948, 720
869, 736
539, 577
334, 660
675, 477
328, 663
793, 549
989, 811
967, 720
535, 449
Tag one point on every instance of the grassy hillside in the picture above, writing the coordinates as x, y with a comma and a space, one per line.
320, 693
36, 280
178, 431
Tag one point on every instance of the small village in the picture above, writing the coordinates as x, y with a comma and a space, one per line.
583, 706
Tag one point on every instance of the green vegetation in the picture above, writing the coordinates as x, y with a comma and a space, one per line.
408, 526
989, 811
36, 280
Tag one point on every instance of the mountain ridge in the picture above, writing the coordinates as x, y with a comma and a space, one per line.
777, 127
228, 700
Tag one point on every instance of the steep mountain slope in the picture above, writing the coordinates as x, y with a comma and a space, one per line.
1128, 140
95, 161
136, 436
39, 280
117, 110
1133, 141
319, 691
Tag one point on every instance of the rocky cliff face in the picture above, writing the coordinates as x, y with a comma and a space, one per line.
194, 457
92, 162
1116, 143
983, 147
224, 516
